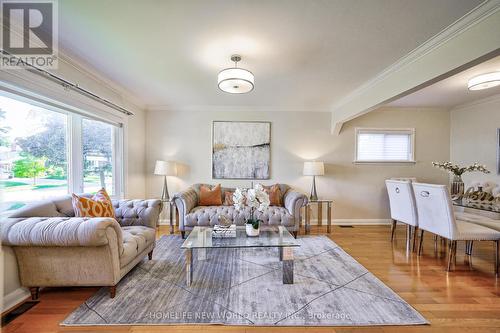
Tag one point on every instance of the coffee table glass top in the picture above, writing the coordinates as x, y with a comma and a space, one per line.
201, 238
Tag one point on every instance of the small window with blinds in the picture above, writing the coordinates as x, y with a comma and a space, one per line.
375, 145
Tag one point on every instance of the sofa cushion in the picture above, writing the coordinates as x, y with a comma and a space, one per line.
275, 215
45, 208
135, 240
209, 215
58, 231
58, 206
137, 212
196, 187
210, 196
228, 198
275, 196
99, 205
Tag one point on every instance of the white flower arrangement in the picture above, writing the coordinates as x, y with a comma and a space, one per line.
458, 170
256, 198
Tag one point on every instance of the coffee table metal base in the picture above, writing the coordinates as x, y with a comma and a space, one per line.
285, 256
189, 266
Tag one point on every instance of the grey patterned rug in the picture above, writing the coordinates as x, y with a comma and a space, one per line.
244, 287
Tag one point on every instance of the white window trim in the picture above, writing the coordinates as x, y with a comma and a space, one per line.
118, 165
75, 154
410, 131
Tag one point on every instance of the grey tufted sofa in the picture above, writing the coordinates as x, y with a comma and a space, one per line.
191, 215
53, 248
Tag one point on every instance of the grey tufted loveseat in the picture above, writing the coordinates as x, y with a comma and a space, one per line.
53, 248
191, 215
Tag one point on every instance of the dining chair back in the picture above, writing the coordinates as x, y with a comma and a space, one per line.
435, 210
402, 202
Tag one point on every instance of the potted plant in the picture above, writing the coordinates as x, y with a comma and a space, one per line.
457, 184
255, 198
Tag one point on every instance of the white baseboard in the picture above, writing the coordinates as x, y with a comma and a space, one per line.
164, 222
14, 298
334, 222
359, 221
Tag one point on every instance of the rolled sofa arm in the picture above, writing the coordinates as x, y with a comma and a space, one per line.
59, 231
294, 201
185, 201
138, 212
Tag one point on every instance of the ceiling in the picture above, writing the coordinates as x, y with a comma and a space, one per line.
452, 91
306, 54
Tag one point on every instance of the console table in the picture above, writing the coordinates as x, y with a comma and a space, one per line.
319, 204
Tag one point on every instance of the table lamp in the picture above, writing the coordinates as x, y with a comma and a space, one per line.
165, 168
314, 169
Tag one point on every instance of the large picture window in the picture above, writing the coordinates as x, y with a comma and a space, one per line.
33, 153
47, 152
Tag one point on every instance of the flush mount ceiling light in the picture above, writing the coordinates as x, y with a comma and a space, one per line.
235, 80
484, 81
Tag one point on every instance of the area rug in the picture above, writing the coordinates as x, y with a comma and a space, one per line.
244, 287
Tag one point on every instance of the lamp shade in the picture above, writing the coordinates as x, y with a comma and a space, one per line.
165, 168
314, 169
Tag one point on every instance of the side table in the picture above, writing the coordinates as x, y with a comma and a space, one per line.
172, 209
319, 203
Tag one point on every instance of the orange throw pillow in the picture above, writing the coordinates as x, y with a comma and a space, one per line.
210, 197
99, 205
274, 194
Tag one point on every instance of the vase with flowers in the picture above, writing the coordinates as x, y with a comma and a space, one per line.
257, 200
457, 184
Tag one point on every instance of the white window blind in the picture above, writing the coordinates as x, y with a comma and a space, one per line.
381, 145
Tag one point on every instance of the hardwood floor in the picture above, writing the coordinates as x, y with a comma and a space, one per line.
463, 300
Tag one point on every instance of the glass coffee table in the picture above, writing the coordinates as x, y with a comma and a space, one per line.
201, 239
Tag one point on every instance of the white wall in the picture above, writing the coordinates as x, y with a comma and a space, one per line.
474, 137
135, 154
357, 190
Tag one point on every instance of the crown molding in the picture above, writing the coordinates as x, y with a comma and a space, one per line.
226, 108
411, 108
464, 23
87, 70
482, 101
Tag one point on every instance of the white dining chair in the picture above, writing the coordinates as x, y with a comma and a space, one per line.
403, 208
435, 215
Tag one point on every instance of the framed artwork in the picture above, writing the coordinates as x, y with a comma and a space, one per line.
241, 149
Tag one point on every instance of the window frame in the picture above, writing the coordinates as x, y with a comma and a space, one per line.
117, 157
74, 140
408, 131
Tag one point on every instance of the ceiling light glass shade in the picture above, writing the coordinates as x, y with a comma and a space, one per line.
484, 81
235, 80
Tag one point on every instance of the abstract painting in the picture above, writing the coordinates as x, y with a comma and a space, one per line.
241, 150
